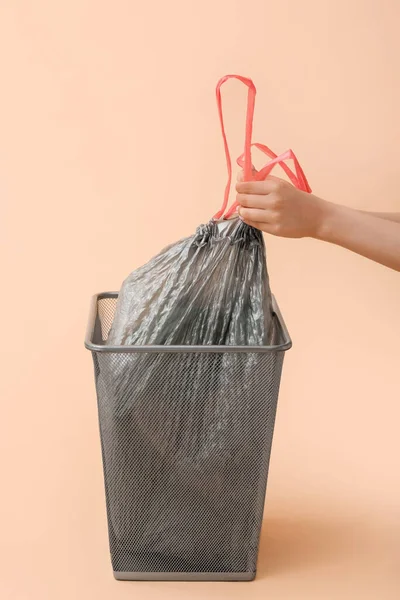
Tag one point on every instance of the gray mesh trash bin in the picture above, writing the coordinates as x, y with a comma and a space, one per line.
185, 458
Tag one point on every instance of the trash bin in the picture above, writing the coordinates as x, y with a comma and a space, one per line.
185, 451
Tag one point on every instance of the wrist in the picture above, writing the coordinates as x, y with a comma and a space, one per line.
326, 215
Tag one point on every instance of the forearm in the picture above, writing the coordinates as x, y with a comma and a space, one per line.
387, 216
375, 238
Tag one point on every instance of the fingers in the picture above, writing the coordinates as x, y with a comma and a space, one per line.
270, 186
266, 227
272, 202
257, 215
253, 201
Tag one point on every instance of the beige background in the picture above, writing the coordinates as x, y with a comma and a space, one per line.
110, 149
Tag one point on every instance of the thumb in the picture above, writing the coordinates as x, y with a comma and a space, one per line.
240, 175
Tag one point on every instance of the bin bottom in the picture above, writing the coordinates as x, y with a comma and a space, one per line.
157, 576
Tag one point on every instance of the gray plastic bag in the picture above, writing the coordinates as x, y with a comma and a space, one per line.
208, 289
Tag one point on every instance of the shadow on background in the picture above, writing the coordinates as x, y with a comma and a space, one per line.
300, 543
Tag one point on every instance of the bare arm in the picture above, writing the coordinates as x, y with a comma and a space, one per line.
276, 207
372, 236
387, 216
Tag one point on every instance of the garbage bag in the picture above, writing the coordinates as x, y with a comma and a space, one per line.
168, 439
210, 288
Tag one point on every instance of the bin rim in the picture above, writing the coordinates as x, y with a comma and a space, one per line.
90, 345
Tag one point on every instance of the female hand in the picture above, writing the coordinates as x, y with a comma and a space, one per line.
277, 207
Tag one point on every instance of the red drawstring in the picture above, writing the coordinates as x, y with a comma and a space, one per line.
247, 144
298, 178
